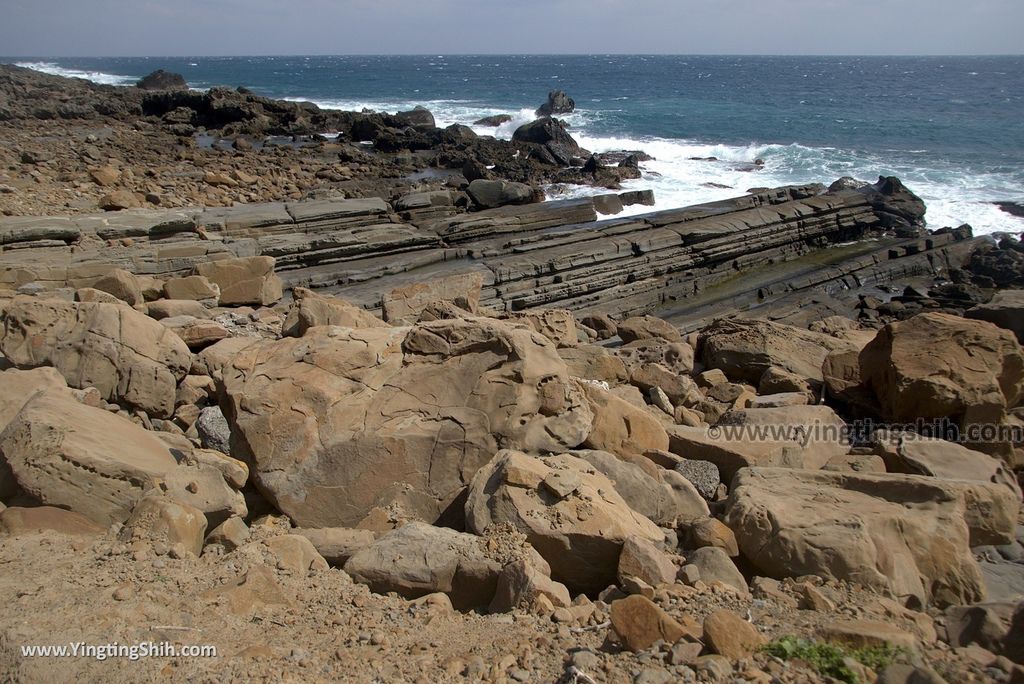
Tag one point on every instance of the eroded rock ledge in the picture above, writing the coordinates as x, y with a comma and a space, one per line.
552, 254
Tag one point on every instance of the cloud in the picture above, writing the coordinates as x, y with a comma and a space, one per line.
231, 27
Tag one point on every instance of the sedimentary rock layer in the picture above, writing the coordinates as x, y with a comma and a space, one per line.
552, 254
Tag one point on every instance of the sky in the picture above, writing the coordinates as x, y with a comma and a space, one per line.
116, 28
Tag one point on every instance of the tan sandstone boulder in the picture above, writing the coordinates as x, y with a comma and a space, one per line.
196, 333
310, 309
727, 634
620, 427
912, 454
568, 511
342, 421
639, 623
594, 363
88, 460
805, 437
558, 325
403, 305
16, 388
524, 583
906, 534
246, 280
936, 365
159, 518
648, 327
127, 356
418, 559
91, 294
16, 521
745, 349
1005, 310
663, 496
194, 288
121, 284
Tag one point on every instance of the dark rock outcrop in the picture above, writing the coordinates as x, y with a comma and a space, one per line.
494, 121
558, 103
162, 80
895, 205
418, 117
488, 194
559, 146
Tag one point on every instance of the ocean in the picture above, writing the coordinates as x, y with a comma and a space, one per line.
952, 128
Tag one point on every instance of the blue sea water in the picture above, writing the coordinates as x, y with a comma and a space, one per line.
951, 127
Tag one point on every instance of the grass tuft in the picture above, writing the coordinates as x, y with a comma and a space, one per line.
831, 659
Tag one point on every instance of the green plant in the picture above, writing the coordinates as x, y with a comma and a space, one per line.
831, 659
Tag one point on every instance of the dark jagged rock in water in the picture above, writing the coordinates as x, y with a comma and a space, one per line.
847, 183
551, 133
1012, 208
162, 80
558, 103
493, 121
418, 117
895, 204
632, 162
543, 131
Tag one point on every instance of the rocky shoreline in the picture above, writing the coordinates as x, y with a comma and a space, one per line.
405, 422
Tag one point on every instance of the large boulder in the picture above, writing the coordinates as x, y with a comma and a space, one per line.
620, 427
1005, 310
594, 363
417, 117
16, 521
663, 496
524, 582
894, 204
162, 80
403, 305
127, 356
936, 366
122, 285
343, 420
418, 559
745, 349
558, 103
639, 623
310, 309
193, 288
568, 511
648, 327
63, 453
244, 281
338, 544
489, 194
17, 387
805, 437
907, 534
912, 454
559, 146
558, 325
160, 518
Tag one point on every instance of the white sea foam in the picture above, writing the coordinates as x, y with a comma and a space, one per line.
94, 76
679, 176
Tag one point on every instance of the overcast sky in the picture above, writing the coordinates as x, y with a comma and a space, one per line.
307, 27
